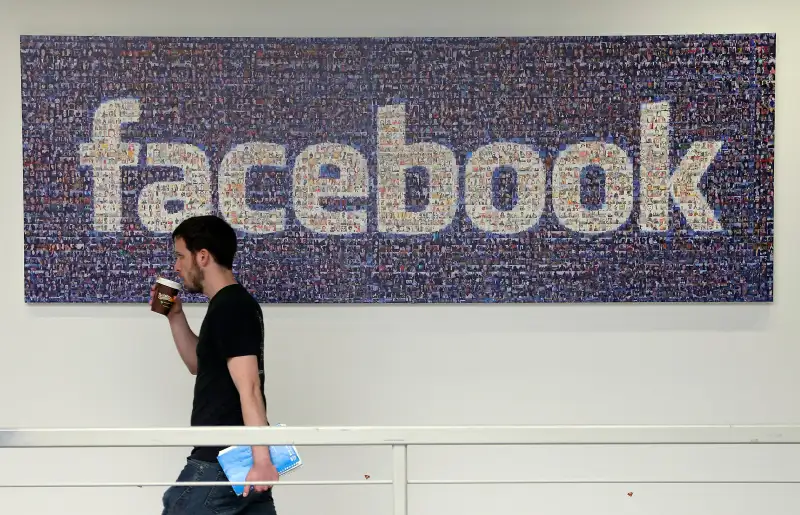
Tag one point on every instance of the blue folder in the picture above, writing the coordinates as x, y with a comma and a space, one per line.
236, 461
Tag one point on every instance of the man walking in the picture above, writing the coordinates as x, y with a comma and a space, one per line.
227, 358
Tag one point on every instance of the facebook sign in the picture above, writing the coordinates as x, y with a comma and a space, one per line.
384, 170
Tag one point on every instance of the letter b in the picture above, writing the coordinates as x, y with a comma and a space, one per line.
394, 158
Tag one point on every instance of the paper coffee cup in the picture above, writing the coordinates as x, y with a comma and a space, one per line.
164, 296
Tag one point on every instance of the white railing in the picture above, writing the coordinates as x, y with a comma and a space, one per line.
399, 438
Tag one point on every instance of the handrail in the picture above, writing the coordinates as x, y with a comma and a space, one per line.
399, 438
407, 435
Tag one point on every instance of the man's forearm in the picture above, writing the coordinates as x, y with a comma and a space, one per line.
254, 414
185, 341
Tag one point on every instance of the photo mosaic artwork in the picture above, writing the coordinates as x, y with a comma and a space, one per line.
412, 170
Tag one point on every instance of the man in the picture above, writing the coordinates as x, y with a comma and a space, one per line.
228, 359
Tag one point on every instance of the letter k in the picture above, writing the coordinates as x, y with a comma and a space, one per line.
656, 183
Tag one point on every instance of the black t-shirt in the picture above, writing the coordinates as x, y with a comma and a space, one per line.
233, 326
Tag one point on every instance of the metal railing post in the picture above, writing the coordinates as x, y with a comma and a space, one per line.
400, 478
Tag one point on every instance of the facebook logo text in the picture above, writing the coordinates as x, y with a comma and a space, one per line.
660, 187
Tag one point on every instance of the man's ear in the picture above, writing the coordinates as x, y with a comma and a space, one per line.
203, 258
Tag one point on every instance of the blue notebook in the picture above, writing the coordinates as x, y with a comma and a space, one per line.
236, 461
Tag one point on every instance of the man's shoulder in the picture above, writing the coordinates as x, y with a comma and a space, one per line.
232, 293
234, 298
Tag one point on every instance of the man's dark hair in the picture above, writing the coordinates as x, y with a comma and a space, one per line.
211, 233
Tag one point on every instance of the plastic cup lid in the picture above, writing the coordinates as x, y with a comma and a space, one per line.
167, 282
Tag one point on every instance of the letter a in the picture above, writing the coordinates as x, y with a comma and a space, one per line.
194, 190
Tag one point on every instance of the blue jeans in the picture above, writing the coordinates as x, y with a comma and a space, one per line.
212, 500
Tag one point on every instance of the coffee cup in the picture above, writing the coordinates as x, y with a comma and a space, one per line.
164, 295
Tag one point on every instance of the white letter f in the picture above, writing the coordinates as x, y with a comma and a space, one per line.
106, 154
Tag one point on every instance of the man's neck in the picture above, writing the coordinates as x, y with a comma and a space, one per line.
215, 282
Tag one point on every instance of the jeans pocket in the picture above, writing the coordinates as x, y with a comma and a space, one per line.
221, 499
176, 497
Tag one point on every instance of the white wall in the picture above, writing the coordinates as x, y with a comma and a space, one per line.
115, 366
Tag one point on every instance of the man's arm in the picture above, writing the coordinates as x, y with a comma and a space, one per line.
244, 372
185, 340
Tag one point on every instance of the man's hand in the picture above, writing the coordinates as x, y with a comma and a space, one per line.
260, 472
177, 306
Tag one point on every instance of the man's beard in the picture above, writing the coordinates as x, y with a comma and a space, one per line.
194, 280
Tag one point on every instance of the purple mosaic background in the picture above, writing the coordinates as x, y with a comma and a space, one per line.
462, 93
